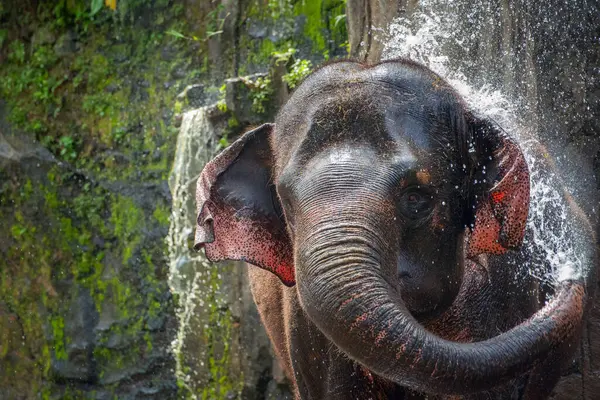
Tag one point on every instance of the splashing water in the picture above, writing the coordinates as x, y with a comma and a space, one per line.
441, 36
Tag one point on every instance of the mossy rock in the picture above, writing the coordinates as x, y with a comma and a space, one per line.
74, 252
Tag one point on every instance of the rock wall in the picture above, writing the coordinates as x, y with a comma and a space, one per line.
91, 101
91, 105
85, 309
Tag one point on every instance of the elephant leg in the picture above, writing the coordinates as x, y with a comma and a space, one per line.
269, 296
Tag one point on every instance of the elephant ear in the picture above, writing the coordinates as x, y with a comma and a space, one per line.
239, 214
502, 209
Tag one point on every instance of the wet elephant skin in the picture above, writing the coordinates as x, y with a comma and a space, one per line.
387, 221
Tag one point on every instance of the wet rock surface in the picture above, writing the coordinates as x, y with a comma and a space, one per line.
86, 310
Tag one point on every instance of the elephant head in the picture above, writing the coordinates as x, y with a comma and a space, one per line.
370, 192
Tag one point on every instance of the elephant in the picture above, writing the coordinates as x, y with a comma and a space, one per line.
387, 222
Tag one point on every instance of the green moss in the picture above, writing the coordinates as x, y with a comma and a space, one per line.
89, 205
24, 286
148, 340
27, 190
162, 213
262, 55
232, 122
79, 102
58, 334
111, 361
127, 219
178, 107
104, 109
324, 31
218, 339
59, 249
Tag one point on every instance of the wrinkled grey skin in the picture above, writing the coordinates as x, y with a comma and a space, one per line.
402, 276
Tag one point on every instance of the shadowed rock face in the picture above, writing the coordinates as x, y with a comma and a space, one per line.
545, 56
60, 326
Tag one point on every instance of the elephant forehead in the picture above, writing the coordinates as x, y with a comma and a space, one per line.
374, 114
348, 171
386, 128
407, 126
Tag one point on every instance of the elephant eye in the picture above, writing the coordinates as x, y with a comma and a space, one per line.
413, 198
415, 204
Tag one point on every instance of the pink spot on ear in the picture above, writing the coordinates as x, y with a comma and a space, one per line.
498, 196
485, 235
239, 238
501, 218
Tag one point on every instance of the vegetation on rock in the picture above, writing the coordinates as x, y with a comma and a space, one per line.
89, 90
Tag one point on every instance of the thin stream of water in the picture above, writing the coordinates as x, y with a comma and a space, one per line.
188, 277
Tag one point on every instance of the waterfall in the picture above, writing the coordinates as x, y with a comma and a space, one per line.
201, 343
447, 37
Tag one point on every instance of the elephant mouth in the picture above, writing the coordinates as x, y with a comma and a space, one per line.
422, 313
475, 279
428, 301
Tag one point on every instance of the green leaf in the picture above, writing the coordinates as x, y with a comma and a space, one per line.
338, 19
176, 34
96, 6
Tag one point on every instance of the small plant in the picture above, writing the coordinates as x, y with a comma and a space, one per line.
222, 91
17, 52
222, 106
232, 123
67, 147
283, 56
300, 70
280, 10
260, 93
223, 143
338, 19
118, 134
179, 35
214, 26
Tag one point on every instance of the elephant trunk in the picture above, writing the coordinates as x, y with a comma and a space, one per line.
344, 284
